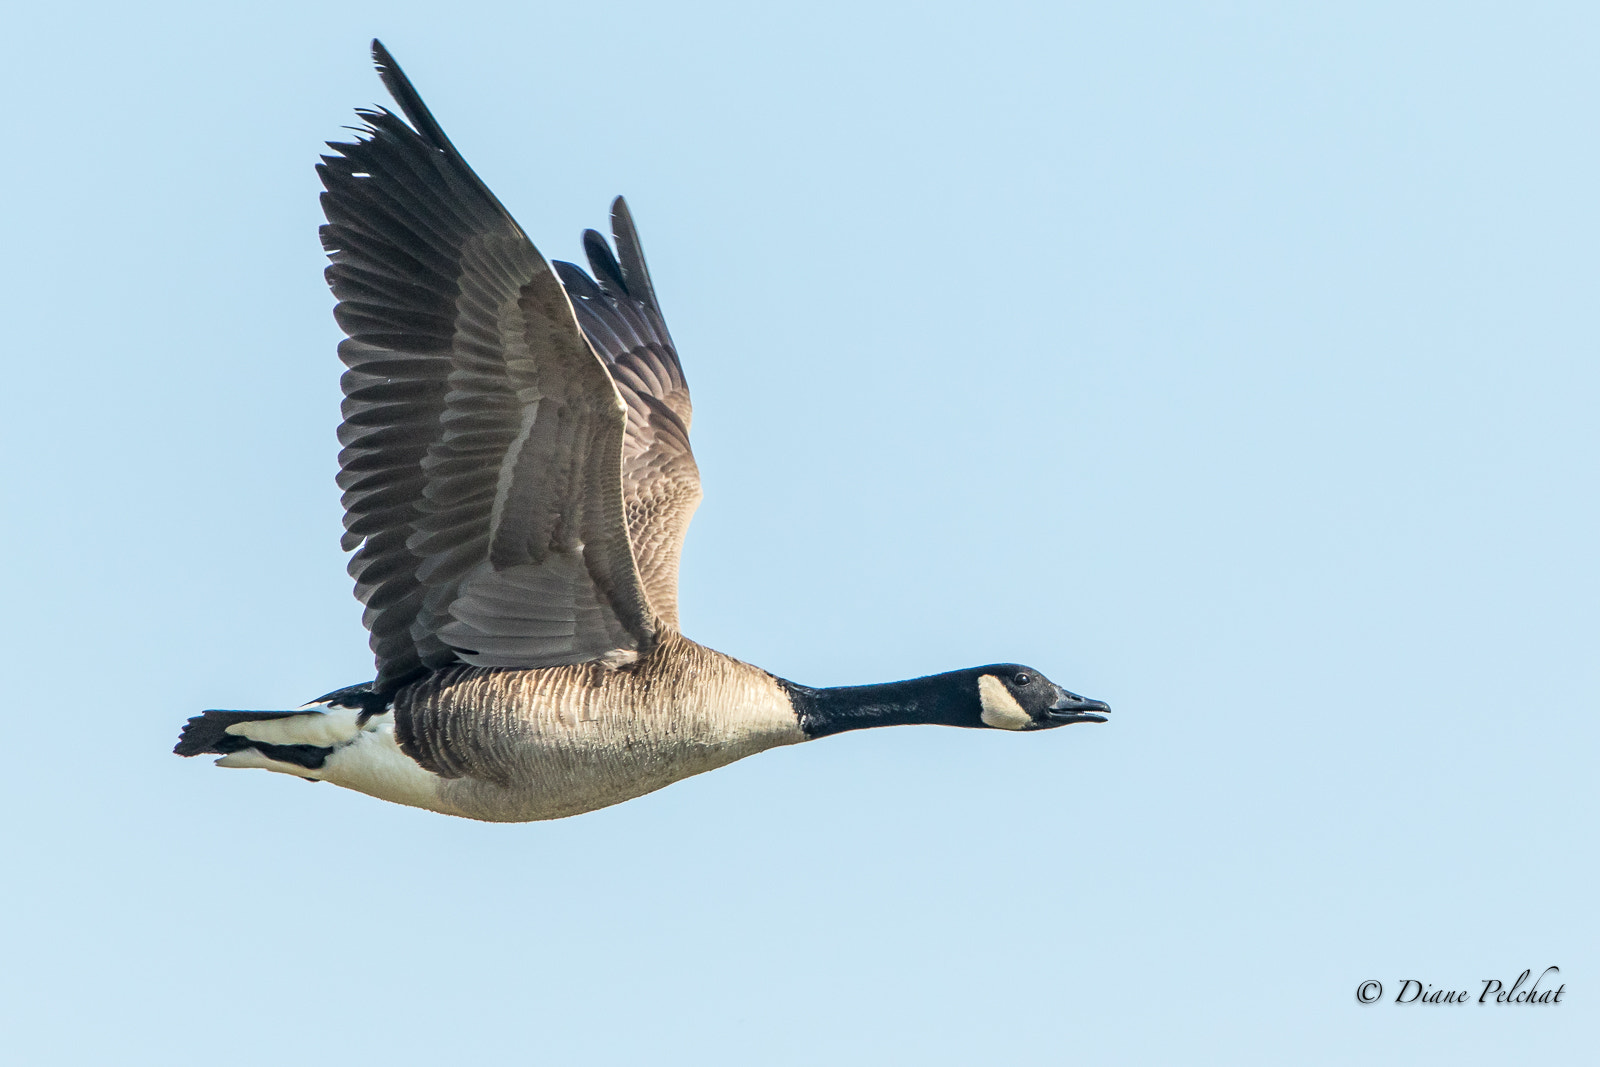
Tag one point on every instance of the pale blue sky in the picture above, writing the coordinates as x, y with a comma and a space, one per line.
1231, 364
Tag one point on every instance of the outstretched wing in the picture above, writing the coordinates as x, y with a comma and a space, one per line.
483, 438
660, 482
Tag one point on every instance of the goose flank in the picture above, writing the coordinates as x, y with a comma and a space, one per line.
517, 483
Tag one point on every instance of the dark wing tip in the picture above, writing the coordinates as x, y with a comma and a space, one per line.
634, 272
410, 101
603, 263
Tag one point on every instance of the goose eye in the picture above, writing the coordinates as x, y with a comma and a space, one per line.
1022, 679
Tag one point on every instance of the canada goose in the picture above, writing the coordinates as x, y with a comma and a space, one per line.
517, 483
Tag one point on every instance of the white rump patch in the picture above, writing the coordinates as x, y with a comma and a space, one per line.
374, 765
1000, 708
367, 759
324, 729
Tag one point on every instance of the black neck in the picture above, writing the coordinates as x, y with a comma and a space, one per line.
938, 700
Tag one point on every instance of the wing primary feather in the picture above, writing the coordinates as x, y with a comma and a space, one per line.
410, 101
603, 263
422, 120
635, 274
574, 280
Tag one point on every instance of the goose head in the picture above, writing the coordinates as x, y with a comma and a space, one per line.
1015, 697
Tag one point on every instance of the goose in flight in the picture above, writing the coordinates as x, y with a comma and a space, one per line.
517, 483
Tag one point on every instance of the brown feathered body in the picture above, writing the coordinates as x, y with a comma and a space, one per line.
518, 745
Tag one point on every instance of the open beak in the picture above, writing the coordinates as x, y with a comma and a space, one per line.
1070, 707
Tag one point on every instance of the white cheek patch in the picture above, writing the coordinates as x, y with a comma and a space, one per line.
1000, 708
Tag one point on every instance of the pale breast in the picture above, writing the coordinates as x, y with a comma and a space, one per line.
517, 745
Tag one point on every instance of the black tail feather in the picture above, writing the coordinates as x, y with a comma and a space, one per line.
208, 733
